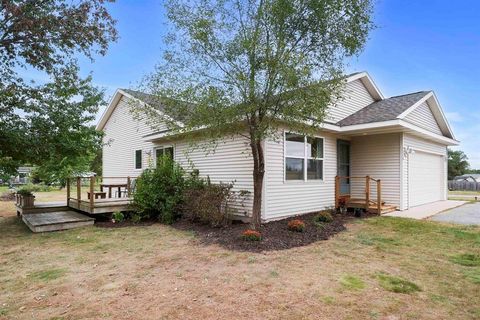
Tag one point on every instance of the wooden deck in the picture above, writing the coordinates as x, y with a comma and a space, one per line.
55, 221
42, 207
101, 205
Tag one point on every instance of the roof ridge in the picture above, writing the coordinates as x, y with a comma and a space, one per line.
409, 94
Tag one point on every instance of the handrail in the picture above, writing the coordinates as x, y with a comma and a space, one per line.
93, 180
359, 177
368, 201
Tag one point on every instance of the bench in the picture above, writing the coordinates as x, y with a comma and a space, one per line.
97, 195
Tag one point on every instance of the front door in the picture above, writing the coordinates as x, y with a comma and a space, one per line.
343, 165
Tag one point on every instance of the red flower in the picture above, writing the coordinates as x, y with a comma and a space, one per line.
296, 225
251, 235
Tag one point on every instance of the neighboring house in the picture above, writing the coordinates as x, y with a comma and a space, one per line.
468, 177
401, 140
22, 177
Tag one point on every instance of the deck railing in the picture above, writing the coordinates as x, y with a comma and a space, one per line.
368, 182
95, 186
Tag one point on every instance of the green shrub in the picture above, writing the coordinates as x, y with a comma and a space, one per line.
30, 187
118, 216
24, 192
160, 191
322, 217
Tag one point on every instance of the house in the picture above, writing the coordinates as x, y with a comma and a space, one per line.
401, 141
470, 177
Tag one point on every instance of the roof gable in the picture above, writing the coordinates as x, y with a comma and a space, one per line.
383, 110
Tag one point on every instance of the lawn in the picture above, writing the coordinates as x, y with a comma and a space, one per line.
459, 192
380, 268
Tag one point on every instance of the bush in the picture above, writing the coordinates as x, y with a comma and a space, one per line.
118, 216
251, 235
209, 203
24, 192
322, 217
160, 191
296, 225
30, 187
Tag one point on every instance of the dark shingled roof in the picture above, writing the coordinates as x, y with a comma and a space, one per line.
383, 110
149, 99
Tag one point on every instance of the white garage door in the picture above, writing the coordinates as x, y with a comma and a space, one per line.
426, 178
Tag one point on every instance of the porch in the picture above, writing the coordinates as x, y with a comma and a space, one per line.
85, 197
369, 200
99, 195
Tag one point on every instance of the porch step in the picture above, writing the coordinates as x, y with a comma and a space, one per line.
373, 208
55, 221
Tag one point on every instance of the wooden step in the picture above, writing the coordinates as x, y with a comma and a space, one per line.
55, 221
373, 208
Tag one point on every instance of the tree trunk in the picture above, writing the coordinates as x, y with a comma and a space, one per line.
258, 174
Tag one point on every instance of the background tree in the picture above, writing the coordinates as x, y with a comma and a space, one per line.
46, 124
256, 63
457, 163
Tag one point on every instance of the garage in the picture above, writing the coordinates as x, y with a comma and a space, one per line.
426, 178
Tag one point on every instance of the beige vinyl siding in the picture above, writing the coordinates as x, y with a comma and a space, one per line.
379, 157
356, 97
286, 198
124, 135
229, 162
422, 116
419, 144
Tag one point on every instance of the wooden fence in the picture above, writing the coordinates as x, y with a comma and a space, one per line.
464, 185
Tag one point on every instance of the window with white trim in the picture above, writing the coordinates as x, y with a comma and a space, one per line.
304, 157
138, 159
163, 151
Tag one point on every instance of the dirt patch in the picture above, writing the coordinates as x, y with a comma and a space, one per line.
275, 234
106, 222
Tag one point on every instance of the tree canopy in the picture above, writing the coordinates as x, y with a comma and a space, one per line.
47, 123
258, 63
457, 163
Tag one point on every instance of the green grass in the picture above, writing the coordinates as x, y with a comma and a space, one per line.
352, 282
464, 192
466, 259
397, 284
48, 275
473, 275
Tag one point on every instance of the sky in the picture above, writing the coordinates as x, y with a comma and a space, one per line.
417, 45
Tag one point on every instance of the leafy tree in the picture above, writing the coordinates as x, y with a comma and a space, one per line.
258, 64
457, 163
47, 124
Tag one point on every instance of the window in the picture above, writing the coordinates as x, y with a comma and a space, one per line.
163, 151
303, 157
138, 159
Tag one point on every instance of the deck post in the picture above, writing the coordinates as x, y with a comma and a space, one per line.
128, 187
68, 192
379, 197
367, 193
92, 193
337, 191
79, 190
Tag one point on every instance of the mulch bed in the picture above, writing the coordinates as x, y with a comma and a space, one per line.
275, 235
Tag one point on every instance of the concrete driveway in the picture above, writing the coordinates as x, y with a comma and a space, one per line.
427, 210
467, 214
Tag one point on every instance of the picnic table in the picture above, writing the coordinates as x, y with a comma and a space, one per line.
111, 186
